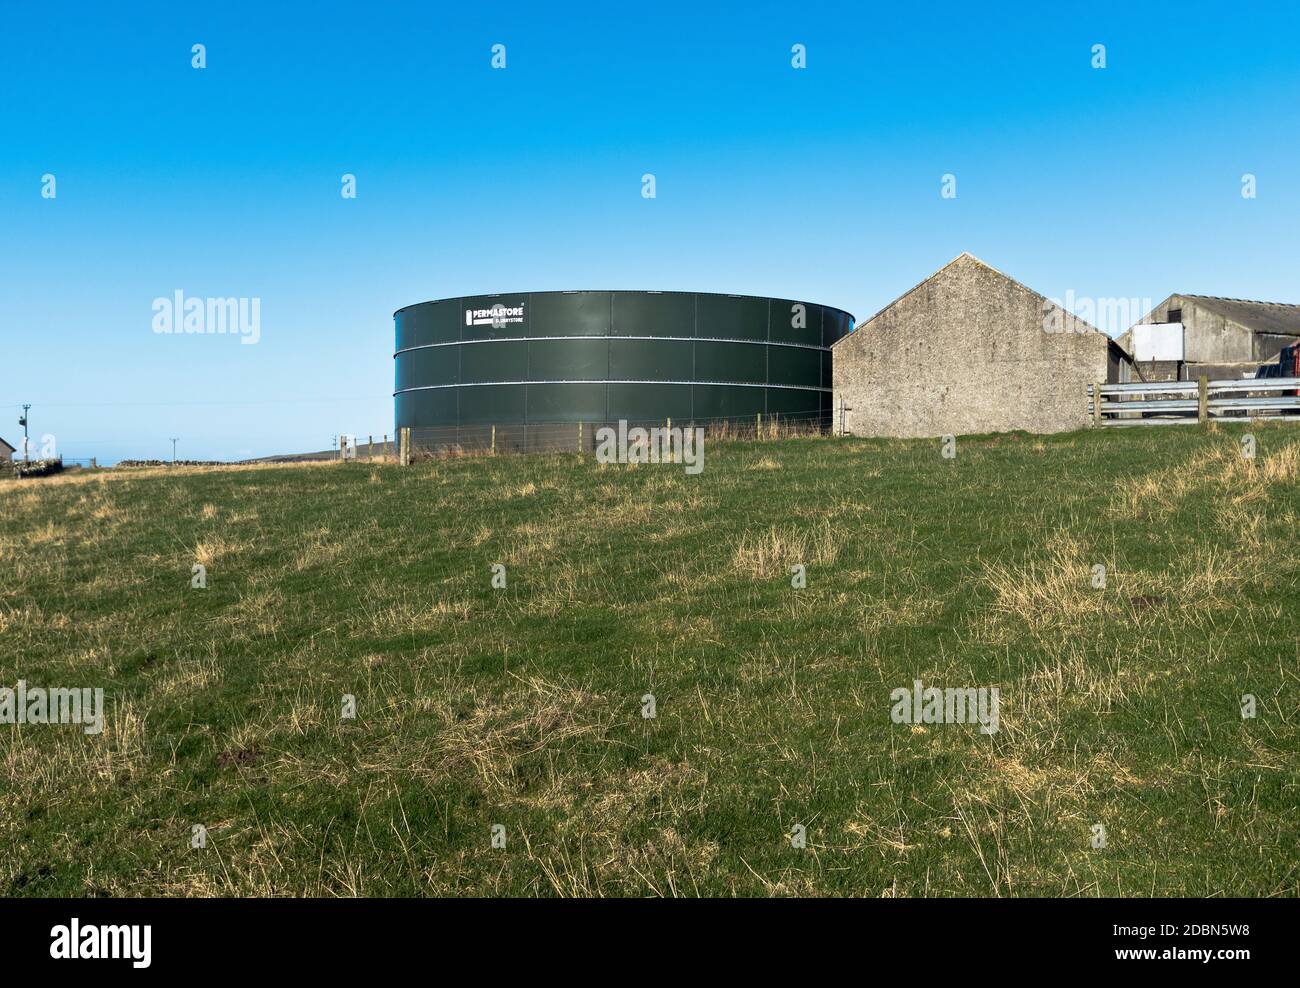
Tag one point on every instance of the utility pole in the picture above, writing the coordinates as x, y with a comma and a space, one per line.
26, 445
173, 439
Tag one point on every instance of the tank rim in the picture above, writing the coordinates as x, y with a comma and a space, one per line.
626, 291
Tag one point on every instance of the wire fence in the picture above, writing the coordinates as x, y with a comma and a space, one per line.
432, 442
584, 437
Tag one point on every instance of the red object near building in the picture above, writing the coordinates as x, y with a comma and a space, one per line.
1288, 362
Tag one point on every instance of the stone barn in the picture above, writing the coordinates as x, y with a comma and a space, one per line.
970, 350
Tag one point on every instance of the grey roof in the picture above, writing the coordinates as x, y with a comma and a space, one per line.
1261, 317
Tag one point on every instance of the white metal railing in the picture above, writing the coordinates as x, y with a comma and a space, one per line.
1175, 402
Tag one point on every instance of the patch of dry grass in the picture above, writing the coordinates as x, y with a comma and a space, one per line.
1049, 590
770, 554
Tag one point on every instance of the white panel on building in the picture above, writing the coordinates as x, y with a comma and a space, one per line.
1158, 341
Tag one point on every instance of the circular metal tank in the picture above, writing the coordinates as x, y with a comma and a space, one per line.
591, 356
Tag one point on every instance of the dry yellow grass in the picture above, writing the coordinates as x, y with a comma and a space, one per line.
318, 548
770, 554
208, 551
1048, 590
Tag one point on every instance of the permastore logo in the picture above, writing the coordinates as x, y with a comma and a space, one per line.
499, 315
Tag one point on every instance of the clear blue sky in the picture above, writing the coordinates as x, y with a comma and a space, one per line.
821, 184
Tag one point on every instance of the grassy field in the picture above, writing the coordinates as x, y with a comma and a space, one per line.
1120, 707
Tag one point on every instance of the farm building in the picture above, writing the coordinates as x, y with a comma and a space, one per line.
6, 451
970, 350
1187, 336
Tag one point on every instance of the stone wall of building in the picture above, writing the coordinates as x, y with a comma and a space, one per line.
969, 350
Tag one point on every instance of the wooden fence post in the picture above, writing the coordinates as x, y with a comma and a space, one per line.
579, 438
1096, 403
404, 446
1203, 400
758, 426
494, 440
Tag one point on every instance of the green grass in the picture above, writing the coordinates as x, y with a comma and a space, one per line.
522, 707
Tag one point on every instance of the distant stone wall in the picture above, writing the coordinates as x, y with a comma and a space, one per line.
967, 352
1155, 371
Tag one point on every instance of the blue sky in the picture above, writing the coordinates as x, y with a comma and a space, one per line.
821, 184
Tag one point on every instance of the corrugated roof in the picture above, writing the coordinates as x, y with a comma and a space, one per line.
1262, 317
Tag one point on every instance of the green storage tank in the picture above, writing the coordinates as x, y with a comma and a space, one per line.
543, 358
